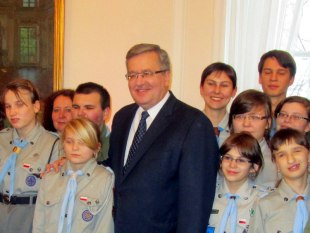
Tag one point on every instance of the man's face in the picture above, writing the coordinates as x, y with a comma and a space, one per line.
147, 91
88, 106
275, 79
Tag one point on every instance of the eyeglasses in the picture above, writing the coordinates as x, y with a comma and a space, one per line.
293, 117
143, 74
240, 161
254, 117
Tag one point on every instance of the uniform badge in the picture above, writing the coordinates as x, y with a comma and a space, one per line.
242, 221
87, 216
210, 230
83, 198
252, 212
31, 180
26, 165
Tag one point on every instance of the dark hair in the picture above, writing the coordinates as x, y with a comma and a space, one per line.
247, 146
219, 67
144, 48
287, 136
244, 103
47, 121
90, 87
294, 99
21, 84
284, 58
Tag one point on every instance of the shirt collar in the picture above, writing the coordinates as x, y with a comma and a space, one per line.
153, 111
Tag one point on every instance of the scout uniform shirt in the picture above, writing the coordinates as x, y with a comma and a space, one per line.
31, 161
275, 213
268, 176
93, 202
104, 140
248, 195
224, 129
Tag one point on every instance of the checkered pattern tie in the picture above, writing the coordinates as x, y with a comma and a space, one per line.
137, 139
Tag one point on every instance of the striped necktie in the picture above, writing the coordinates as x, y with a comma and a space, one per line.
11, 163
137, 139
230, 211
68, 202
301, 216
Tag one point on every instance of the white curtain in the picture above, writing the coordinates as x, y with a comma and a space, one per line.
254, 27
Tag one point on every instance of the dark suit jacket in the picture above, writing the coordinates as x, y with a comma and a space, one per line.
170, 184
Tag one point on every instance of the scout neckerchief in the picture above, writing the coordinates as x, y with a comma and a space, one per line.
68, 202
301, 216
230, 211
11, 163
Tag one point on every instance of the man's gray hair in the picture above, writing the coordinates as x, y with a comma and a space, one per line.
144, 48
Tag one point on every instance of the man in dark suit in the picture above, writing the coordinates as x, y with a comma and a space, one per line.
168, 184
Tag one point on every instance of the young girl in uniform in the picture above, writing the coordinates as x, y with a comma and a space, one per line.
287, 208
241, 160
293, 112
251, 112
25, 149
79, 198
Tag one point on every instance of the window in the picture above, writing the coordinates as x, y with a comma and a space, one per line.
253, 28
29, 3
299, 45
28, 45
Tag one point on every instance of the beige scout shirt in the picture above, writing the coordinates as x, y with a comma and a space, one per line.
93, 203
267, 178
275, 213
248, 195
31, 161
224, 134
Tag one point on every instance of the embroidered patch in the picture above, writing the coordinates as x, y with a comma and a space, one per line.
26, 165
83, 198
242, 221
214, 211
87, 216
31, 180
252, 212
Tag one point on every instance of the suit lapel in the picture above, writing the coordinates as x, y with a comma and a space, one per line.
127, 121
158, 126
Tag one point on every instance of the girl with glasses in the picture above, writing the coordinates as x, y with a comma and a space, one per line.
287, 208
251, 112
293, 112
241, 161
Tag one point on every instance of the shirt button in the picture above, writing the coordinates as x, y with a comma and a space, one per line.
48, 202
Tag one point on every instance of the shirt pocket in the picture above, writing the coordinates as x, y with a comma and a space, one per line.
87, 209
52, 206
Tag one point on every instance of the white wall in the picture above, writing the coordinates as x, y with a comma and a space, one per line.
98, 34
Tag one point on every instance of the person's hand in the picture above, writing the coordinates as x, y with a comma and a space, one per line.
55, 165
